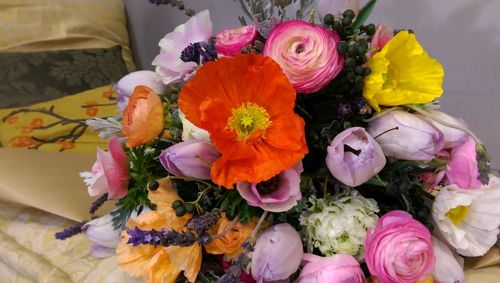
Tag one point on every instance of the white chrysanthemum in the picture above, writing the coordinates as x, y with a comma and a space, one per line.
339, 225
190, 131
469, 219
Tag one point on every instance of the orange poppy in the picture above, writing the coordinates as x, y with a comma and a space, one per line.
246, 104
143, 117
160, 264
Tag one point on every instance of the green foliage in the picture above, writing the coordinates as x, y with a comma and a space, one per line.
364, 13
235, 205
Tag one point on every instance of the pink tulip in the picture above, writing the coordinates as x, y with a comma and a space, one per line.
306, 52
278, 194
399, 249
405, 136
354, 157
383, 34
277, 255
462, 168
338, 268
452, 137
229, 42
109, 172
191, 159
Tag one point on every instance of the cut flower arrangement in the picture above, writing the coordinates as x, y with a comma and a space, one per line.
290, 150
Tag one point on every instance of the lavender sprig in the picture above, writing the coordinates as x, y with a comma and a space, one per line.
176, 4
163, 237
204, 222
237, 265
71, 231
98, 203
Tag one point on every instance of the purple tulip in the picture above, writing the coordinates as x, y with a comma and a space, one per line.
334, 269
277, 255
406, 136
191, 159
354, 157
278, 194
452, 137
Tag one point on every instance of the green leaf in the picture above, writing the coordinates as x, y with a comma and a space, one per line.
376, 181
364, 13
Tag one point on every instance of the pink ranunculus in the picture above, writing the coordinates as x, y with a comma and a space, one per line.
192, 159
462, 168
399, 249
382, 35
306, 52
277, 254
338, 268
229, 42
278, 194
354, 157
405, 136
109, 172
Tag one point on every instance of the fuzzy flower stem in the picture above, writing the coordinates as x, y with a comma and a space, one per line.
444, 123
383, 113
228, 228
257, 227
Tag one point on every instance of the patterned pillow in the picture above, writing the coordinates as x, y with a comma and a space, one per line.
58, 125
28, 78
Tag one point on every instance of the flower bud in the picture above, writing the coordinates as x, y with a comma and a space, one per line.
278, 253
452, 137
405, 136
103, 236
191, 159
126, 85
334, 269
354, 157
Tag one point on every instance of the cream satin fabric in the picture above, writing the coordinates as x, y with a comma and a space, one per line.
48, 181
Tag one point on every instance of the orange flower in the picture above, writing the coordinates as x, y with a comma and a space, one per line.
159, 264
37, 122
91, 111
246, 104
143, 117
230, 243
23, 142
12, 119
65, 145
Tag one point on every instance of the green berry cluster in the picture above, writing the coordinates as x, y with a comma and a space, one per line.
353, 46
181, 208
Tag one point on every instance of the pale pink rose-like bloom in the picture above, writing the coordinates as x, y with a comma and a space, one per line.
382, 35
192, 159
337, 7
109, 172
452, 137
126, 85
354, 168
307, 54
399, 249
279, 194
462, 168
405, 136
229, 42
338, 268
168, 63
277, 254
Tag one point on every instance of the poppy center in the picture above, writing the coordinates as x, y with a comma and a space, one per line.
457, 214
248, 119
269, 186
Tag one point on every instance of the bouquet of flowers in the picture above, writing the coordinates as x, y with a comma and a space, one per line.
303, 150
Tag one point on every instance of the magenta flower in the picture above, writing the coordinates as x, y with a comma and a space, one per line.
192, 159
229, 42
406, 136
307, 54
354, 157
126, 85
399, 249
109, 172
338, 268
278, 194
168, 63
277, 255
462, 168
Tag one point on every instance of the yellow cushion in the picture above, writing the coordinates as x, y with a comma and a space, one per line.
42, 25
58, 125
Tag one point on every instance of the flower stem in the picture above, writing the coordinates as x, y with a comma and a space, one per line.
444, 123
257, 227
189, 179
228, 228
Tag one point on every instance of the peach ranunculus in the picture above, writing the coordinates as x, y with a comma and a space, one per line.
230, 243
143, 117
160, 264
307, 54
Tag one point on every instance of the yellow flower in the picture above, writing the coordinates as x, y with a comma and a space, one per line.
403, 73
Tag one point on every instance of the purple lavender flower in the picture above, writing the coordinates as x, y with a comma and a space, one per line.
71, 231
163, 237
